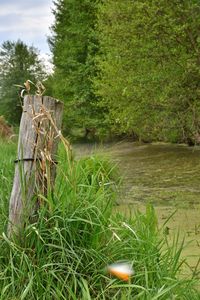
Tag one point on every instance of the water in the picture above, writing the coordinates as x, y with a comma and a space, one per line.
167, 176
161, 174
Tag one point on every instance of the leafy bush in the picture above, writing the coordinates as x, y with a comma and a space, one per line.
5, 129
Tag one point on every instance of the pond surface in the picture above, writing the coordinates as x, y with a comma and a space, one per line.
167, 176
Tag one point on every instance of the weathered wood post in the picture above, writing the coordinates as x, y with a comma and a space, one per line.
35, 168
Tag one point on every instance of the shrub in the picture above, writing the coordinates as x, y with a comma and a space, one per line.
5, 130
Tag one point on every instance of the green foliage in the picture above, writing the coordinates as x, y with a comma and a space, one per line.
18, 63
65, 253
129, 67
149, 68
6, 176
74, 45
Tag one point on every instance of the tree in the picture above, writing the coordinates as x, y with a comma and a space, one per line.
18, 63
74, 44
149, 75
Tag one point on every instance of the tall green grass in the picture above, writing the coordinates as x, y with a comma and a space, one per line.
7, 157
65, 253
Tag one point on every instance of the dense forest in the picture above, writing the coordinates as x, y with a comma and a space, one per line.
128, 68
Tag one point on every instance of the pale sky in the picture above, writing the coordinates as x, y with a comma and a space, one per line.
28, 21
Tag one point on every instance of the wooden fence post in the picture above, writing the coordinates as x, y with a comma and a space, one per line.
35, 168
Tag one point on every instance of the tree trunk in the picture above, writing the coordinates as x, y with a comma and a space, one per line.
35, 168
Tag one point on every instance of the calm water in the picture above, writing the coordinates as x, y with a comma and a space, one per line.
167, 176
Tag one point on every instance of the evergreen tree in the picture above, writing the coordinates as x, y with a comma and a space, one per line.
74, 45
18, 63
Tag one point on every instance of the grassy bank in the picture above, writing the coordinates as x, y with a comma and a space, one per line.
65, 253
